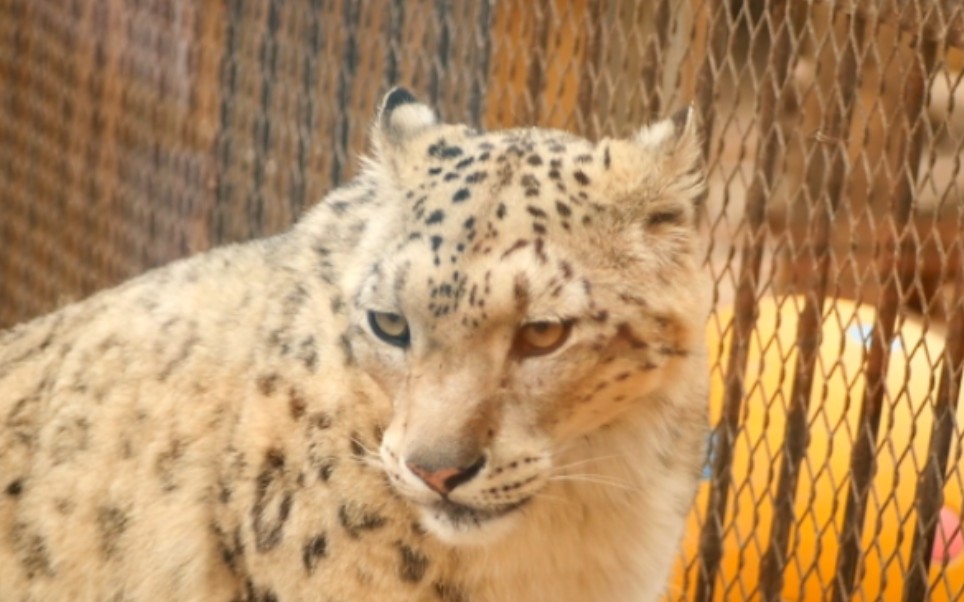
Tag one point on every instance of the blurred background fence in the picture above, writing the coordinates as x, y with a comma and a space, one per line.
134, 132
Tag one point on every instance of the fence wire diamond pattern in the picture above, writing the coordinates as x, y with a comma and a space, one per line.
133, 132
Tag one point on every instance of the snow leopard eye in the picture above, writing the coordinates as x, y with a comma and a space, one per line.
389, 327
541, 338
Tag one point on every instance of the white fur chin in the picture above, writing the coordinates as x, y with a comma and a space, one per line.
468, 534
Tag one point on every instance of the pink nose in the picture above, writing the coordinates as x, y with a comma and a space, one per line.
436, 479
444, 480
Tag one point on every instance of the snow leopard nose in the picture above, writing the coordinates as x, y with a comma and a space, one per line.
444, 479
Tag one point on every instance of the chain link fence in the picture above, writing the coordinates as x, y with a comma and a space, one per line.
134, 132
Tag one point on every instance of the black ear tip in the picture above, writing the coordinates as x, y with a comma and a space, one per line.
396, 98
396, 125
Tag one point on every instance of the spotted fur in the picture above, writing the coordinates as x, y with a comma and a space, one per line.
231, 428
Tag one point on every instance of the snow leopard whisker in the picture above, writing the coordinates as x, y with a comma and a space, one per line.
558, 499
368, 456
562, 467
595, 480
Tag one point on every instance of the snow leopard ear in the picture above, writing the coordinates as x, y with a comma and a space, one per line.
400, 117
669, 134
674, 186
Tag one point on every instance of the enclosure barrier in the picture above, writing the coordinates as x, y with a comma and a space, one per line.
133, 132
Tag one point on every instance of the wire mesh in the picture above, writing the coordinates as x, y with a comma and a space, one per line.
133, 132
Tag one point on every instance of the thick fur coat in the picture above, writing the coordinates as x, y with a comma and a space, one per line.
474, 374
